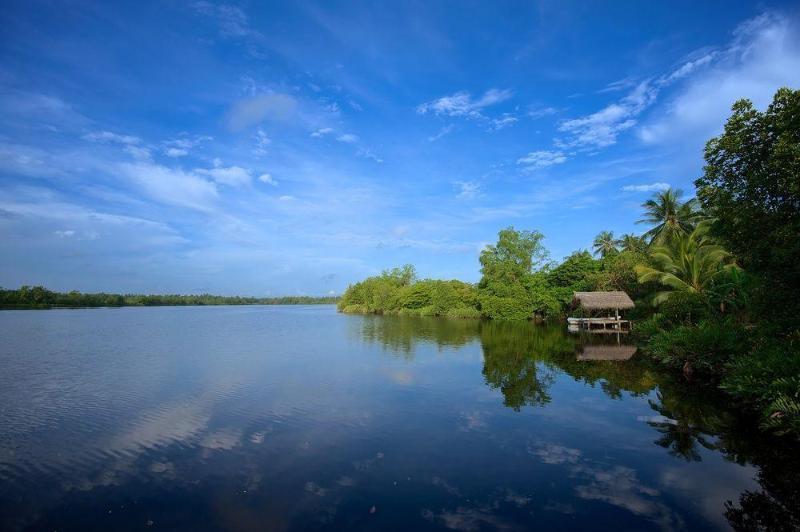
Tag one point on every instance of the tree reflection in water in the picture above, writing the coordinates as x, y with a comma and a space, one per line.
522, 360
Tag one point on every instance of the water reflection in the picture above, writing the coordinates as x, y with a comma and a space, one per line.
522, 362
245, 419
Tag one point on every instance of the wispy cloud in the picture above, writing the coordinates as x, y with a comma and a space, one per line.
537, 112
763, 56
619, 85
232, 176
652, 187
347, 138
366, 153
275, 107
107, 137
321, 132
268, 179
504, 121
541, 159
171, 186
182, 146
461, 104
230, 19
441, 133
467, 189
601, 129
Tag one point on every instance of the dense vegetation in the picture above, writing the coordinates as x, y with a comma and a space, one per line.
40, 297
716, 279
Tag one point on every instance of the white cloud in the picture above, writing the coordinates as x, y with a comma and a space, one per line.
541, 159
366, 153
504, 121
763, 56
107, 137
600, 129
233, 176
250, 111
539, 112
467, 189
138, 152
286, 198
462, 104
171, 186
442, 132
347, 138
64, 234
176, 152
231, 20
652, 187
618, 85
180, 147
262, 142
321, 132
268, 179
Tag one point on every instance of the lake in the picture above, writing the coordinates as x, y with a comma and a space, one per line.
300, 418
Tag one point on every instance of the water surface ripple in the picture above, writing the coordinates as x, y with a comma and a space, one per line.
299, 418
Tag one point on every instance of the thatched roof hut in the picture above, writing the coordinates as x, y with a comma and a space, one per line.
602, 300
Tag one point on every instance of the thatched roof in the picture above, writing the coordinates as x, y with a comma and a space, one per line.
607, 352
602, 300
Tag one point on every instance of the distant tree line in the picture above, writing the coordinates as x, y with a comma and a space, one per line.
40, 297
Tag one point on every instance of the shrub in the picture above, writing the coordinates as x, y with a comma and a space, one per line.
769, 378
705, 348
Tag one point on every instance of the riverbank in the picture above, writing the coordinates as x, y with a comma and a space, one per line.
38, 297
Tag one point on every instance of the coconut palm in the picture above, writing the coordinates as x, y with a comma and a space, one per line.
690, 264
633, 243
605, 243
669, 215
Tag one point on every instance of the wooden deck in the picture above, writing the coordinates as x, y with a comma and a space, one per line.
599, 324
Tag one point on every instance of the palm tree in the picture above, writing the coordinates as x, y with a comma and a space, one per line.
690, 264
669, 215
633, 243
605, 243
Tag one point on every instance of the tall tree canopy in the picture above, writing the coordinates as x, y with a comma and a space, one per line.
515, 255
605, 243
751, 186
668, 215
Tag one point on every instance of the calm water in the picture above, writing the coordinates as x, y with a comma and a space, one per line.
274, 418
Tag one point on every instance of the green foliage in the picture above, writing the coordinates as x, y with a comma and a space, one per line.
669, 216
397, 291
750, 186
633, 243
509, 288
605, 244
575, 272
513, 257
690, 264
705, 348
769, 378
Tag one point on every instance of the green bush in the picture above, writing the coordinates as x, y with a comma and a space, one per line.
769, 378
704, 348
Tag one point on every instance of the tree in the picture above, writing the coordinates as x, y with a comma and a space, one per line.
690, 264
605, 243
751, 187
633, 243
669, 216
515, 255
507, 268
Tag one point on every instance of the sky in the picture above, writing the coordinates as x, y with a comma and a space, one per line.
261, 148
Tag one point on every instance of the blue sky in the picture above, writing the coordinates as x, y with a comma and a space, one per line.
282, 148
